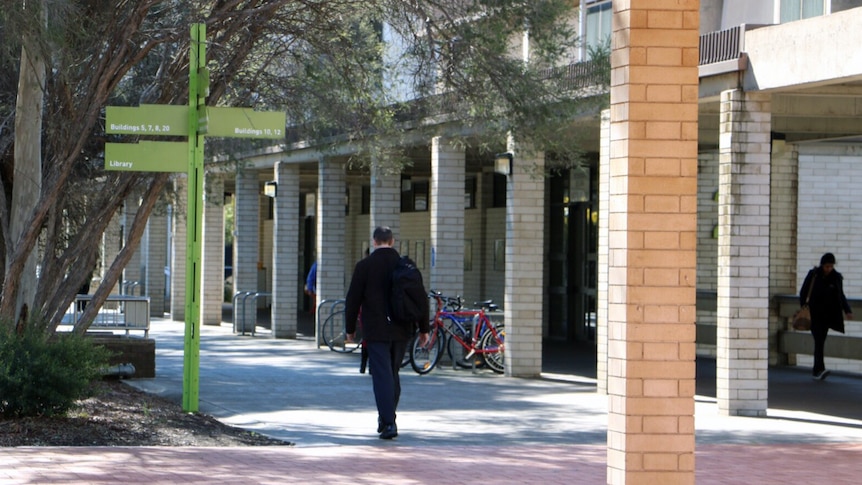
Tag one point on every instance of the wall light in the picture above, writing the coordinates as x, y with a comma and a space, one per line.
270, 189
503, 163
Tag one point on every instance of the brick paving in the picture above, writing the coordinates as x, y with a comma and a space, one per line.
455, 427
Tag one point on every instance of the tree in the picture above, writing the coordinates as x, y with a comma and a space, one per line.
328, 63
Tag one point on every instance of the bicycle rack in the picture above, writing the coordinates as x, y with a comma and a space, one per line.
329, 306
128, 286
237, 296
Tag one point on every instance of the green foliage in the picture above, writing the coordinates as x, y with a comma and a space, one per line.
42, 375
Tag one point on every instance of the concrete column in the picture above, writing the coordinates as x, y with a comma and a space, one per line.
385, 199
178, 251
652, 242
134, 270
212, 266
783, 195
285, 249
157, 227
246, 243
330, 233
525, 262
602, 284
112, 241
447, 218
742, 349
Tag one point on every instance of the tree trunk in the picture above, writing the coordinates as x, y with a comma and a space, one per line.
28, 163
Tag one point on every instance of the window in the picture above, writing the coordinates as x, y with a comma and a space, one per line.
598, 26
800, 9
414, 195
470, 193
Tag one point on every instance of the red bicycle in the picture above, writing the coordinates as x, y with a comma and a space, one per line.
466, 334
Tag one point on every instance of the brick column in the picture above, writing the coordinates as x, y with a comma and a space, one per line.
652, 242
212, 265
525, 262
330, 233
178, 250
157, 227
285, 246
447, 218
742, 349
385, 200
602, 284
246, 243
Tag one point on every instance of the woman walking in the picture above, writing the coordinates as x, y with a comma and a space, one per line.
828, 307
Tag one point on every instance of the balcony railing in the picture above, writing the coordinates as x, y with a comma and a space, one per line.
724, 45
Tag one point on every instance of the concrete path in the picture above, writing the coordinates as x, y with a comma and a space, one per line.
455, 426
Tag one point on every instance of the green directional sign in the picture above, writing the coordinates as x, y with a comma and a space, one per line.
147, 119
242, 123
148, 156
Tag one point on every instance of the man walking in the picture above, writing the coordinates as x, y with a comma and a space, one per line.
385, 340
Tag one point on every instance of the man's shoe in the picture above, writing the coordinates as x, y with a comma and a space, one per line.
389, 431
821, 375
380, 425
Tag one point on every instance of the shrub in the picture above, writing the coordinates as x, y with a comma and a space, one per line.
43, 374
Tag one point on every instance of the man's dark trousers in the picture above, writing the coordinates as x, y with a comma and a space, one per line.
384, 362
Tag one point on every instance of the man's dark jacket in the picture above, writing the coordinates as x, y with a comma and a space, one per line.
369, 290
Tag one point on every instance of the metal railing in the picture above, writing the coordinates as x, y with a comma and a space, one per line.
720, 46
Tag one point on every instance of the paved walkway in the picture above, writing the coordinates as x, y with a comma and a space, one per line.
455, 426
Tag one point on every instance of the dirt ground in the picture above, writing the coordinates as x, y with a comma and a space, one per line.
120, 415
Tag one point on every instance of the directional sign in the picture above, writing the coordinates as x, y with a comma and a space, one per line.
242, 123
148, 156
147, 119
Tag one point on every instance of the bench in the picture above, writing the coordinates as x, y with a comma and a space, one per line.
119, 312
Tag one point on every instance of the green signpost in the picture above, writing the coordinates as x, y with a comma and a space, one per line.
194, 121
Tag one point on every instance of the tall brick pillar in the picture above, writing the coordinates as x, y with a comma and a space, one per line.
447, 218
742, 348
246, 244
525, 258
285, 249
212, 264
652, 242
332, 184
602, 283
385, 200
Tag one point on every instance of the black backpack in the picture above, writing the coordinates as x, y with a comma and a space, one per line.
407, 297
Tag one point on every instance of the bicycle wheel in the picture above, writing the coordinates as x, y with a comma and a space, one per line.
493, 346
334, 335
424, 358
405, 361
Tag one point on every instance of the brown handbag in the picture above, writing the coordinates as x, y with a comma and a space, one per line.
802, 317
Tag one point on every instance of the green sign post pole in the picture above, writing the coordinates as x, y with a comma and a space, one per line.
194, 222
196, 120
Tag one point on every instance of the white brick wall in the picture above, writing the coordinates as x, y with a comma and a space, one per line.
830, 211
828, 215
